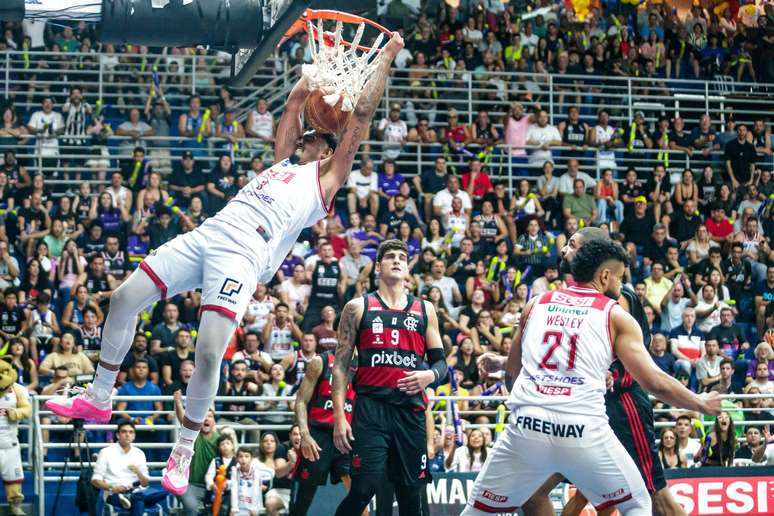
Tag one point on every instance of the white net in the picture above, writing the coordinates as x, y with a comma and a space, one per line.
340, 71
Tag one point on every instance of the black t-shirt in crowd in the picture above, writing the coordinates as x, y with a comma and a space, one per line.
741, 156
738, 278
729, 338
171, 359
632, 228
432, 183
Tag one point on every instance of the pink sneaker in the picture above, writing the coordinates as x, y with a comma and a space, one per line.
176, 473
84, 405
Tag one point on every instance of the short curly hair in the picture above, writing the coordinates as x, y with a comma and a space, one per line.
592, 255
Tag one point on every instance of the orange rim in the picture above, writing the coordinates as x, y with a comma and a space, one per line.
331, 15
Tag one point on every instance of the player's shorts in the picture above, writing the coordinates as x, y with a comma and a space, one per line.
631, 417
332, 463
216, 258
11, 465
389, 438
538, 443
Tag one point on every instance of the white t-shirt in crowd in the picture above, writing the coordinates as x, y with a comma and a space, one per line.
541, 135
113, 465
461, 461
51, 122
394, 134
263, 124
443, 200
567, 182
363, 184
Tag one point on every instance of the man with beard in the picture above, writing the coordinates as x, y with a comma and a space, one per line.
627, 405
139, 351
559, 391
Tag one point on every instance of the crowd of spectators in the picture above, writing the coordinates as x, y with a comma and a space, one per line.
700, 245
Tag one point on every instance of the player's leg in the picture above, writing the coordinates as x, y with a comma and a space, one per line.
173, 268
311, 474
575, 505
540, 503
215, 330
407, 462
369, 455
607, 475
301, 496
631, 418
664, 504
137, 292
510, 474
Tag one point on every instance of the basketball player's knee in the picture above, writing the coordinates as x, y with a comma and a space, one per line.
208, 358
363, 488
664, 504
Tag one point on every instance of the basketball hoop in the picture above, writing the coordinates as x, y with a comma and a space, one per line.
339, 68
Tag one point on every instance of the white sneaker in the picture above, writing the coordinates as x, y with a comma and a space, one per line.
124, 501
176, 473
90, 404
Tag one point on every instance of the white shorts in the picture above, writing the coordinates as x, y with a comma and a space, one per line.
222, 261
531, 449
11, 465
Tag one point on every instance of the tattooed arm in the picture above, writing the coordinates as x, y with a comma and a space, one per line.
289, 129
348, 324
309, 447
335, 170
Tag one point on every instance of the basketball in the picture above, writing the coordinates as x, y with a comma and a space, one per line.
322, 117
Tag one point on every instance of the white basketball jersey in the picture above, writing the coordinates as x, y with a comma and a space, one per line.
277, 205
566, 350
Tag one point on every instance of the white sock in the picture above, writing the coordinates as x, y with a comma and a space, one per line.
186, 437
103, 383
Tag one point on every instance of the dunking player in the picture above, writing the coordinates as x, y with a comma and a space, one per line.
565, 343
392, 332
227, 255
628, 409
314, 416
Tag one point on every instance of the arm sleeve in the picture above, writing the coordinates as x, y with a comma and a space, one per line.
100, 467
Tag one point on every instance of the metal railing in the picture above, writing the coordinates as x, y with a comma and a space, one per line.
75, 164
124, 80
47, 472
471, 91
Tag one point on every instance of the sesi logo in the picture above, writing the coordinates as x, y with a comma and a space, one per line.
724, 495
563, 299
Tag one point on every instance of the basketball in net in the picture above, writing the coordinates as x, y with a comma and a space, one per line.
340, 68
323, 117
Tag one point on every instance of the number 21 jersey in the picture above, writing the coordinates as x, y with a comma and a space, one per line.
566, 349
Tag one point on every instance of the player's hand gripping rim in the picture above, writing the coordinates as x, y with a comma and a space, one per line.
309, 448
342, 435
415, 381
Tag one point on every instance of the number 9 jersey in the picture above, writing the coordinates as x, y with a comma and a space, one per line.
566, 350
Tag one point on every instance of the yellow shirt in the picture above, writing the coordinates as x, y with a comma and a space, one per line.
445, 390
655, 292
76, 363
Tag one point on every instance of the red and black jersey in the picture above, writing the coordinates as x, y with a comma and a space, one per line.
321, 404
390, 343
